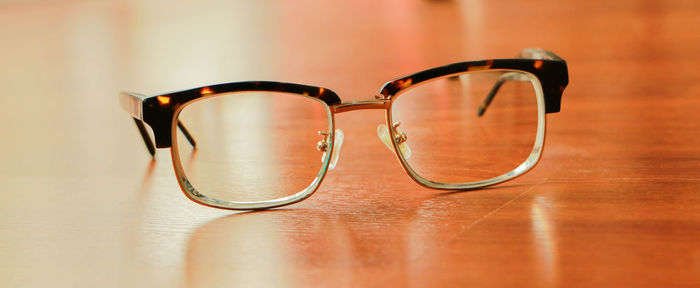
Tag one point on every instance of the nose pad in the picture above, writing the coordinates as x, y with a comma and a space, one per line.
337, 143
385, 137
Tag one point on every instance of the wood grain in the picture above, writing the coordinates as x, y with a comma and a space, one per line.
614, 201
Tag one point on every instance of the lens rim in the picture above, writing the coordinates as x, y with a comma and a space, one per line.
193, 194
530, 162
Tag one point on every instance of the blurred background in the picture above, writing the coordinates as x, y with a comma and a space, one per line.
613, 200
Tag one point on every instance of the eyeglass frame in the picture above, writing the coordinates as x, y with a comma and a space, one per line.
161, 113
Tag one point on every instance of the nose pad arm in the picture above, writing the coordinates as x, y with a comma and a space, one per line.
385, 137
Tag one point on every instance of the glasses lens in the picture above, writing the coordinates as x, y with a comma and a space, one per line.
254, 146
454, 138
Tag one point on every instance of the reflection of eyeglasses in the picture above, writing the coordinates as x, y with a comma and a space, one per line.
258, 144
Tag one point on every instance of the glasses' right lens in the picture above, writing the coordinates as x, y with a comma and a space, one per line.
469, 128
254, 146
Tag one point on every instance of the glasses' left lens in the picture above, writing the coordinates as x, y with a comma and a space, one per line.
470, 130
254, 146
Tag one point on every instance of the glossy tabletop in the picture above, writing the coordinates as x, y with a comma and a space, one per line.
613, 202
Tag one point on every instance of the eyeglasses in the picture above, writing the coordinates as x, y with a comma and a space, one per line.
256, 145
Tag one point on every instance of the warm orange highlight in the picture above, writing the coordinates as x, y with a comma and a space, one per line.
406, 83
538, 64
320, 91
164, 100
206, 91
479, 68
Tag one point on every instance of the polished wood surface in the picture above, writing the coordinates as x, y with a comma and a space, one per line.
614, 201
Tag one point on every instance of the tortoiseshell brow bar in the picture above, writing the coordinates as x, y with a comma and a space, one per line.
158, 111
161, 111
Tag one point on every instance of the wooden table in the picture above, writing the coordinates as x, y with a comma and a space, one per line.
613, 202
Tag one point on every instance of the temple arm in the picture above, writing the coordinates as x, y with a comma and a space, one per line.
516, 76
528, 53
146, 138
133, 103
186, 133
